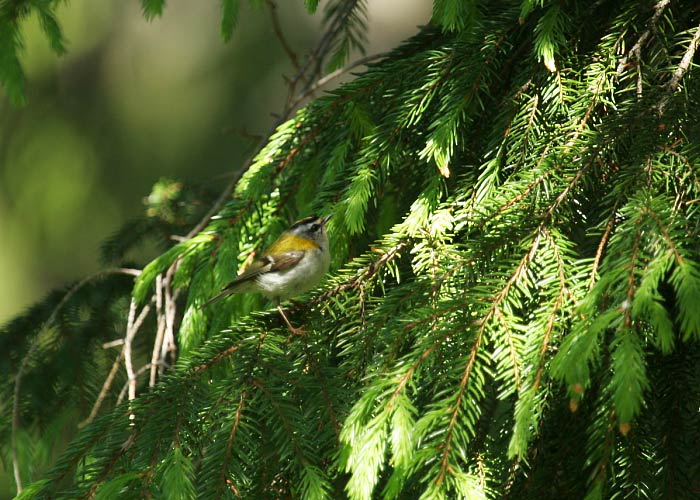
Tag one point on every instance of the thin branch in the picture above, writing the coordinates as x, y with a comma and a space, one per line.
367, 273
113, 343
127, 385
636, 50
601, 246
321, 82
133, 327
681, 70
305, 73
160, 330
169, 348
279, 33
229, 445
444, 466
105, 389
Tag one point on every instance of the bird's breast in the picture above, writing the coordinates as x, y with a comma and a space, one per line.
298, 279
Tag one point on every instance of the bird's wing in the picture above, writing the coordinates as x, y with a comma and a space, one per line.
269, 263
266, 264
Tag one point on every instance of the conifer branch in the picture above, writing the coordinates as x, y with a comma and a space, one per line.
24, 365
322, 82
664, 232
363, 276
636, 50
106, 386
602, 244
627, 304
680, 71
554, 311
447, 445
229, 445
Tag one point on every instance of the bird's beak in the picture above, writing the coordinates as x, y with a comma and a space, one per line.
327, 218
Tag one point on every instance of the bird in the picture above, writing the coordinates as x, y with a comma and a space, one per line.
294, 264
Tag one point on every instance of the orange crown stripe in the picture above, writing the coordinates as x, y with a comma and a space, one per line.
290, 243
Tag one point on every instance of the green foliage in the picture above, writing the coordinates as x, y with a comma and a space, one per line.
512, 308
12, 13
311, 5
229, 17
176, 473
152, 8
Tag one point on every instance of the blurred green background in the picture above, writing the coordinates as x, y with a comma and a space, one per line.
131, 102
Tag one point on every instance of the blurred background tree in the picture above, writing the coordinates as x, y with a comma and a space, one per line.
512, 308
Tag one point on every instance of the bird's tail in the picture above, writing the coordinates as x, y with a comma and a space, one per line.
224, 293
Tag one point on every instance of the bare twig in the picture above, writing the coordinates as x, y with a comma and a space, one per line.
333, 75
160, 330
113, 343
133, 326
105, 389
168, 347
279, 33
127, 385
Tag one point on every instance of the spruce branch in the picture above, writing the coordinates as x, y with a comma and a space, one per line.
325, 80
106, 386
24, 365
682, 68
229, 445
636, 51
602, 244
447, 444
631, 282
364, 275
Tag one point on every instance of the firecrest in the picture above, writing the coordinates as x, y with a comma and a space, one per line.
292, 265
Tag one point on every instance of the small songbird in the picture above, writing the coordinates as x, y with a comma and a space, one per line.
294, 264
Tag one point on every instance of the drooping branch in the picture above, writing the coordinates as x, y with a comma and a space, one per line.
24, 365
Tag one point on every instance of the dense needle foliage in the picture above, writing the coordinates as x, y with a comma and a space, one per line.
512, 310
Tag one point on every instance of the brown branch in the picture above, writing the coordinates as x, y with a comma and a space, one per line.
279, 33
211, 362
105, 389
601, 246
321, 82
229, 445
636, 49
453, 418
367, 273
511, 348
675, 81
667, 235
553, 313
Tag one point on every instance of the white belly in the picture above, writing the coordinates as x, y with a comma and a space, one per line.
301, 278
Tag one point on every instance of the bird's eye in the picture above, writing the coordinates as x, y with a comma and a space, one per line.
315, 227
